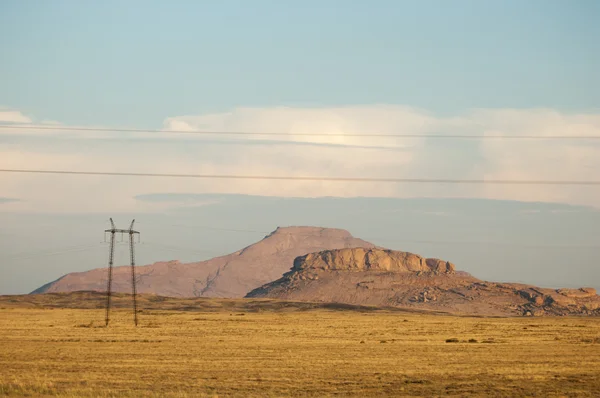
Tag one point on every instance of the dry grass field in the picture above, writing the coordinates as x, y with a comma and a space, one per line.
245, 348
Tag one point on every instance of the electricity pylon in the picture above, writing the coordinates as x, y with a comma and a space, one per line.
111, 256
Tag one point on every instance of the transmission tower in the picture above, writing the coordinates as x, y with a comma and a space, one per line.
111, 256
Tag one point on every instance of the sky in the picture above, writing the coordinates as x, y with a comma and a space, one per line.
481, 68
133, 63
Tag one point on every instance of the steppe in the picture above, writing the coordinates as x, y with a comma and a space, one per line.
57, 345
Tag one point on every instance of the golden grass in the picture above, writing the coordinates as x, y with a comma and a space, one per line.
68, 352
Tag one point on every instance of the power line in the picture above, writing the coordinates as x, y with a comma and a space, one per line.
310, 178
402, 241
201, 251
276, 134
171, 248
54, 249
55, 253
224, 229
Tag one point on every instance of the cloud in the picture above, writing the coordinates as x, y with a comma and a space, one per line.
303, 153
567, 160
10, 116
337, 125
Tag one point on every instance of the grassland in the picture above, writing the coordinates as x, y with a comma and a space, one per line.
249, 348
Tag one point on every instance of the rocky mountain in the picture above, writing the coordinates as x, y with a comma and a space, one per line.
232, 275
371, 276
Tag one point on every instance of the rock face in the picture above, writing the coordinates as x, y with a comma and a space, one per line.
399, 279
361, 259
232, 275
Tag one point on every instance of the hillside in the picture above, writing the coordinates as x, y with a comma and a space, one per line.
232, 275
399, 279
147, 303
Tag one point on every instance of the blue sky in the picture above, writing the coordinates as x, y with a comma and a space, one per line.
474, 67
135, 62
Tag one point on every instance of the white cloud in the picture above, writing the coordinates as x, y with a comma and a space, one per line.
567, 160
302, 155
13, 116
303, 123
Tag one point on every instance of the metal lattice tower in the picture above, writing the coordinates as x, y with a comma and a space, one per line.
111, 256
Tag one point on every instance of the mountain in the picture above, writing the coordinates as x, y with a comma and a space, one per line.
372, 276
232, 275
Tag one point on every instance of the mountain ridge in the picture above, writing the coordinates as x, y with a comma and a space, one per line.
231, 275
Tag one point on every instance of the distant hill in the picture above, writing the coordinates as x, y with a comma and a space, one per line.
232, 275
148, 302
387, 278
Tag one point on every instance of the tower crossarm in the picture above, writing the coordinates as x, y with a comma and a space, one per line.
122, 231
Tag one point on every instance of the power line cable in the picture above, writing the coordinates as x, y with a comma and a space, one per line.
53, 249
44, 253
219, 228
58, 250
399, 241
161, 246
55, 253
311, 178
276, 134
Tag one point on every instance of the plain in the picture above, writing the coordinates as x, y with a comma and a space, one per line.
269, 348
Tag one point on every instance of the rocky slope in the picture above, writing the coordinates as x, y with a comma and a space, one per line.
390, 278
232, 275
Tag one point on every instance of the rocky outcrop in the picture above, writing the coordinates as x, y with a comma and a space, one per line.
440, 265
583, 292
561, 301
363, 259
400, 279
